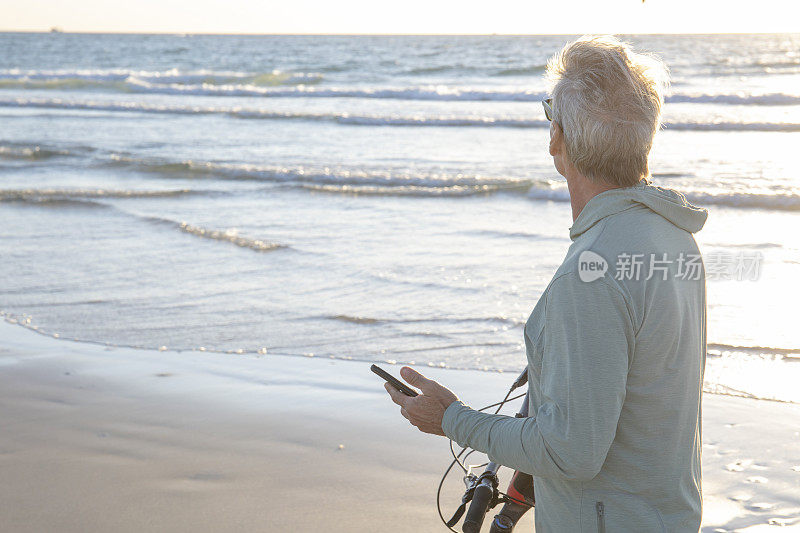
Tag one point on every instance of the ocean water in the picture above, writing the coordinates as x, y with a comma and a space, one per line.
379, 198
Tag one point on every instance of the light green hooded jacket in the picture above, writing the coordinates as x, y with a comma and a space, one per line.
615, 369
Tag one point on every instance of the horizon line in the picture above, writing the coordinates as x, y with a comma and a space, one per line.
388, 34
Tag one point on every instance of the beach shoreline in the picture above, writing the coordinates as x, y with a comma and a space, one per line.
99, 438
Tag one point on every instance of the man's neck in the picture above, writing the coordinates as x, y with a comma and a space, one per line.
582, 189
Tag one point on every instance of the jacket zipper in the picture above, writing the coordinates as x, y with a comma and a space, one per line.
601, 517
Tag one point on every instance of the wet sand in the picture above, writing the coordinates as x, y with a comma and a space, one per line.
103, 439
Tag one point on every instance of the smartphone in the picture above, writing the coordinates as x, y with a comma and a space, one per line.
396, 383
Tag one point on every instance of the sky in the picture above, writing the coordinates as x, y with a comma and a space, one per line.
402, 16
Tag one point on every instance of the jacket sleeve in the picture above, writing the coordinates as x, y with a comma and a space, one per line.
587, 343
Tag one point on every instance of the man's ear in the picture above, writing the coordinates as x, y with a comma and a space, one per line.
556, 138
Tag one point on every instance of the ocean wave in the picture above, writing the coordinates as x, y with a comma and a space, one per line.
44, 201
521, 71
413, 190
172, 76
525, 235
88, 197
358, 319
80, 197
363, 120
370, 183
31, 153
438, 92
342, 118
753, 246
366, 120
780, 201
125, 80
354, 319
230, 235
669, 174
38, 195
461, 69
756, 68
386, 183
720, 349
436, 69
733, 126
211, 83
550, 191
316, 176
552, 194
279, 83
88, 105
766, 99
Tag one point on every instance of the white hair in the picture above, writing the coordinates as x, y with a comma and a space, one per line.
607, 99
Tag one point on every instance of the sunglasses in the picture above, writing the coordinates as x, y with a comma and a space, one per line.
547, 103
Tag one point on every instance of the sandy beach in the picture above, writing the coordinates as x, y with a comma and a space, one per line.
98, 438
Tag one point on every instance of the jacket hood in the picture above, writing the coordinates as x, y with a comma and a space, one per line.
668, 203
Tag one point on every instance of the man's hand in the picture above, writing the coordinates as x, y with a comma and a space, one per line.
426, 410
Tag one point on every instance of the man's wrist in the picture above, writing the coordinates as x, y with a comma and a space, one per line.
450, 415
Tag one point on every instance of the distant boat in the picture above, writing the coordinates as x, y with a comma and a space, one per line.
56, 29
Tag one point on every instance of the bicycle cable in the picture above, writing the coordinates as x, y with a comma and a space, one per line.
457, 458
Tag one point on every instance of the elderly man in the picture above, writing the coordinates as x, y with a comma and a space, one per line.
616, 344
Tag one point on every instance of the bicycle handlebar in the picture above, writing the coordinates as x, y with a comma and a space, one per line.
482, 497
478, 508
